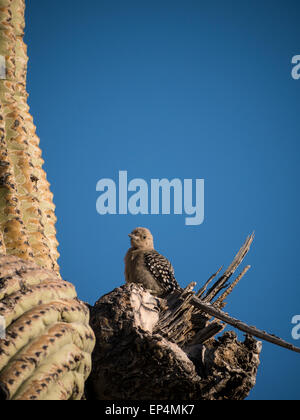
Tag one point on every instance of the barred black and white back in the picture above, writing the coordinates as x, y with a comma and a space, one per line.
162, 271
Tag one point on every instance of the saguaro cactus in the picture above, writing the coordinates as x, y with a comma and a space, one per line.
48, 345
27, 211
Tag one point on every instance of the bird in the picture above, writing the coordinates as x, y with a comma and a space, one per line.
145, 266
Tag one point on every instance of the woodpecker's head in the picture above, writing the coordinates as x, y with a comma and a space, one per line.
141, 238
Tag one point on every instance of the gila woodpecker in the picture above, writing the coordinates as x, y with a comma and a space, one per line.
146, 266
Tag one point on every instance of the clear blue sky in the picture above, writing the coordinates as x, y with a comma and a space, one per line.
185, 89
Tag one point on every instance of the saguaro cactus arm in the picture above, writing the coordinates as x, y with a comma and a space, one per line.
47, 350
48, 337
27, 217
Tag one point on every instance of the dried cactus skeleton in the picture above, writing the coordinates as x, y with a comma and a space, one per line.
146, 350
209, 306
47, 350
167, 348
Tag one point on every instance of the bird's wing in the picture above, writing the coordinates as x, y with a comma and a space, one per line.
162, 270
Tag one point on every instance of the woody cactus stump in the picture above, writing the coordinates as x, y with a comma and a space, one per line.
47, 350
150, 348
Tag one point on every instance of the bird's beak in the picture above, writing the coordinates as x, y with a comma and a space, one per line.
131, 236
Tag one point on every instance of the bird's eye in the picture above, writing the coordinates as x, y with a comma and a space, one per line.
145, 237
